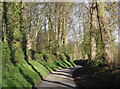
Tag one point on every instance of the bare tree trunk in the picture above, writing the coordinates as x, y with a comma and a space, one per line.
56, 26
93, 28
1, 10
105, 33
119, 34
29, 38
65, 31
4, 31
60, 29
56, 22
50, 26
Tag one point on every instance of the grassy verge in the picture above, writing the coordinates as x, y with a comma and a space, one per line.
27, 73
23, 75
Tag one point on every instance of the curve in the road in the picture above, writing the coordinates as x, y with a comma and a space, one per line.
58, 79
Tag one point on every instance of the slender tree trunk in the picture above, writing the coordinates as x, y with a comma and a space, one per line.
66, 32
7, 32
1, 10
4, 31
56, 22
1, 4
23, 30
63, 31
49, 32
60, 29
29, 42
119, 34
93, 29
56, 26
105, 33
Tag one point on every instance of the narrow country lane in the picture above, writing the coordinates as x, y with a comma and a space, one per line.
59, 79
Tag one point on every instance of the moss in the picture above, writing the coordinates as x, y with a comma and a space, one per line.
5, 53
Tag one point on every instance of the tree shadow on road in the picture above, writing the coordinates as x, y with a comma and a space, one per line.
62, 74
59, 83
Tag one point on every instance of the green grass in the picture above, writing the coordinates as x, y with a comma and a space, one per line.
40, 68
11, 77
23, 75
26, 74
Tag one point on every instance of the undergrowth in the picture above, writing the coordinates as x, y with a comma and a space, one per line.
96, 74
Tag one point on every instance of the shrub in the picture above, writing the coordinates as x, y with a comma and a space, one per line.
39, 57
31, 53
19, 56
47, 57
63, 57
81, 62
99, 63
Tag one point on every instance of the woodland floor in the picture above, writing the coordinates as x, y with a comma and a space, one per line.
95, 76
59, 79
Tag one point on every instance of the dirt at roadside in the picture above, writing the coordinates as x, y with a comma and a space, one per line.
91, 76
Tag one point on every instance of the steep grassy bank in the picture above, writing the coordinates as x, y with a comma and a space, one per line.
23, 75
27, 73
